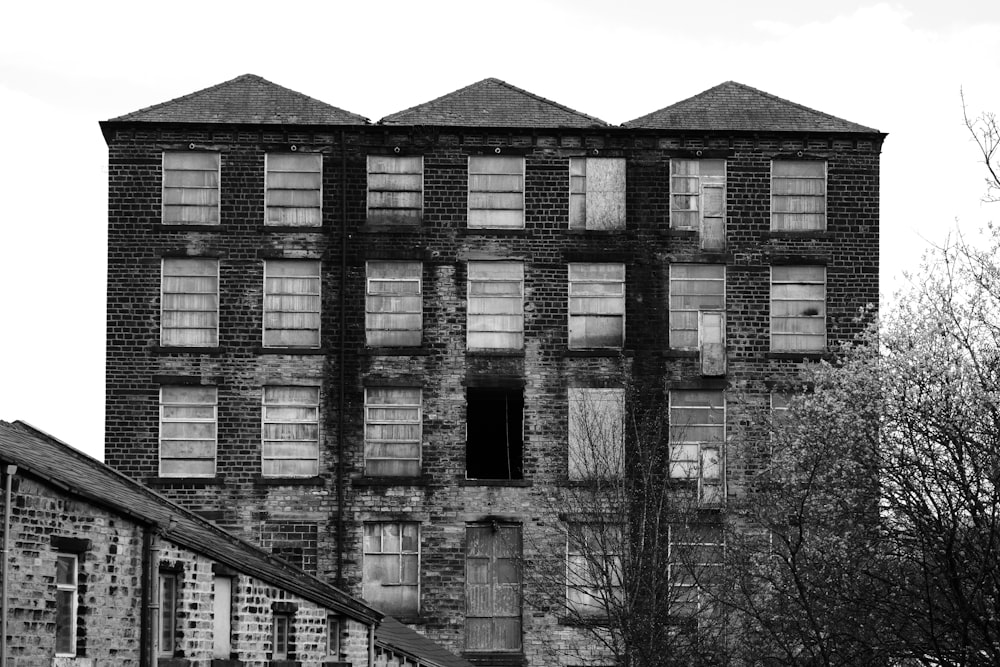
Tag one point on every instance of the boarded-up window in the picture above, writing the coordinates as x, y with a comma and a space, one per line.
391, 572
187, 431
798, 308
697, 438
395, 189
593, 568
697, 555
698, 199
190, 188
494, 433
596, 306
694, 288
291, 303
596, 193
293, 190
798, 195
596, 433
189, 303
290, 435
496, 192
393, 304
496, 306
392, 431
493, 587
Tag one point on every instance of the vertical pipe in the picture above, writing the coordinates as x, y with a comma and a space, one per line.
153, 584
371, 645
342, 342
11, 470
146, 656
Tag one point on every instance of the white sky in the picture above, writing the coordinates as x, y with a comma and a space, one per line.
894, 66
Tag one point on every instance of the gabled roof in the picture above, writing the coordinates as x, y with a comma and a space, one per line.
38, 454
492, 103
245, 99
733, 106
401, 639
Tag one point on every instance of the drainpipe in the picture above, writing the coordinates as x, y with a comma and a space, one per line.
11, 470
151, 595
340, 361
371, 645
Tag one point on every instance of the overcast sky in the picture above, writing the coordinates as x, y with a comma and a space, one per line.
64, 66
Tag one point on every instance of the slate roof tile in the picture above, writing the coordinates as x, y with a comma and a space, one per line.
492, 103
733, 106
246, 99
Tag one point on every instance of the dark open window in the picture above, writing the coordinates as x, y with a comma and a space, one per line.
495, 440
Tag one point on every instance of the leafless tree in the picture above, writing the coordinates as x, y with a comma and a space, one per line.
985, 132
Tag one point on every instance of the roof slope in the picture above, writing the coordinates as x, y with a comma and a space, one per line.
492, 103
402, 639
245, 99
734, 106
40, 454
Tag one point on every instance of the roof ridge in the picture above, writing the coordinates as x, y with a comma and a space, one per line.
793, 103
548, 101
439, 98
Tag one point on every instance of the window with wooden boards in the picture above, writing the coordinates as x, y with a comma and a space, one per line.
391, 570
694, 289
495, 305
798, 195
698, 199
190, 188
188, 430
392, 431
290, 432
395, 189
496, 192
493, 587
189, 302
596, 193
697, 439
596, 306
596, 433
798, 308
293, 189
393, 304
291, 303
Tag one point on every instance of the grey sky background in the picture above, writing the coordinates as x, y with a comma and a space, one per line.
64, 66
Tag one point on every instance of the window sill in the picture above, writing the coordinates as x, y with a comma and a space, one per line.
289, 481
680, 354
414, 351
610, 352
185, 481
291, 350
521, 483
495, 353
291, 229
375, 227
177, 349
173, 662
496, 658
284, 663
221, 662
491, 231
799, 356
597, 233
679, 233
391, 481
597, 621
189, 228
803, 234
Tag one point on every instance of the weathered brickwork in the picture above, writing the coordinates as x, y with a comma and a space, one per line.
324, 517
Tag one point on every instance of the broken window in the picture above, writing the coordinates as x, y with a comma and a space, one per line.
596, 193
798, 308
596, 433
494, 429
391, 573
697, 437
698, 199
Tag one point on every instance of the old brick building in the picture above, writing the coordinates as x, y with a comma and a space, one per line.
360, 345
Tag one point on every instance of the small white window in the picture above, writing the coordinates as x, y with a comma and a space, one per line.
291, 303
222, 617
333, 637
496, 192
596, 306
392, 431
495, 306
169, 590
596, 433
393, 304
798, 195
187, 431
697, 440
189, 303
290, 432
395, 189
597, 193
280, 633
293, 190
190, 188
694, 288
66, 604
391, 572
698, 199
798, 308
